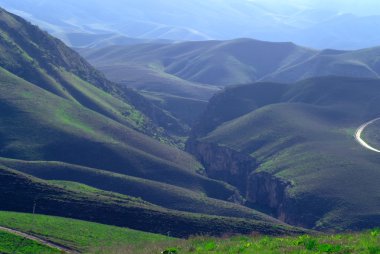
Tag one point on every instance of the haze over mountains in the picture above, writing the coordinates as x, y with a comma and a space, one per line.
316, 24
164, 129
182, 75
62, 120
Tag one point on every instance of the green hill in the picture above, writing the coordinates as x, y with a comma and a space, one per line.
363, 242
85, 148
159, 193
218, 63
291, 149
192, 70
35, 56
11, 243
79, 201
74, 234
184, 70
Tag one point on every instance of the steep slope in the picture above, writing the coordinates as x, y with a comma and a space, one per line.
291, 150
67, 132
35, 56
64, 122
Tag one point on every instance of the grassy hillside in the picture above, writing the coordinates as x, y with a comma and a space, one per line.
165, 70
10, 243
359, 63
70, 133
192, 70
364, 242
75, 234
64, 122
35, 56
86, 203
97, 238
219, 63
232, 62
301, 139
158, 193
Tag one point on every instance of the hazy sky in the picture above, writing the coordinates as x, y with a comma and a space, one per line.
358, 7
312, 23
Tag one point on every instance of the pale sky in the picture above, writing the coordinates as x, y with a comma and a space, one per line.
357, 7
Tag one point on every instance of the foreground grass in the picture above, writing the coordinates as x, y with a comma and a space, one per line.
365, 242
14, 244
75, 234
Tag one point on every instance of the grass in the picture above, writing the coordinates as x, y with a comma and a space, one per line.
161, 194
13, 244
75, 234
366, 243
300, 137
46, 62
77, 201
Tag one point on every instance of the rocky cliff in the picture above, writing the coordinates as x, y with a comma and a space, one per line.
259, 190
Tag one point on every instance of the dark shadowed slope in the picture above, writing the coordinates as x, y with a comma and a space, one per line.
291, 149
82, 202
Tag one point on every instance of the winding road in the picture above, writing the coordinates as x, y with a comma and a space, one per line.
358, 135
42, 241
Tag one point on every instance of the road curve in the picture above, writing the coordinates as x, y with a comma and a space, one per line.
358, 135
61, 248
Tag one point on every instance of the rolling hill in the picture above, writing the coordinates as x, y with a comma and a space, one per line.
73, 234
39, 58
79, 201
290, 148
182, 76
223, 63
83, 147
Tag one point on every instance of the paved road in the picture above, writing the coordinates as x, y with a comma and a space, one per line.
40, 240
359, 134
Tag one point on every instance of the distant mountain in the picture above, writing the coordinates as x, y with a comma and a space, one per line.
184, 75
62, 120
291, 149
359, 63
180, 75
310, 23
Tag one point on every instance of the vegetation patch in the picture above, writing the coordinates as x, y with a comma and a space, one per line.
366, 242
13, 244
76, 234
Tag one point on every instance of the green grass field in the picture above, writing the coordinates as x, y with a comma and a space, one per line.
366, 243
13, 244
79, 235
87, 237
